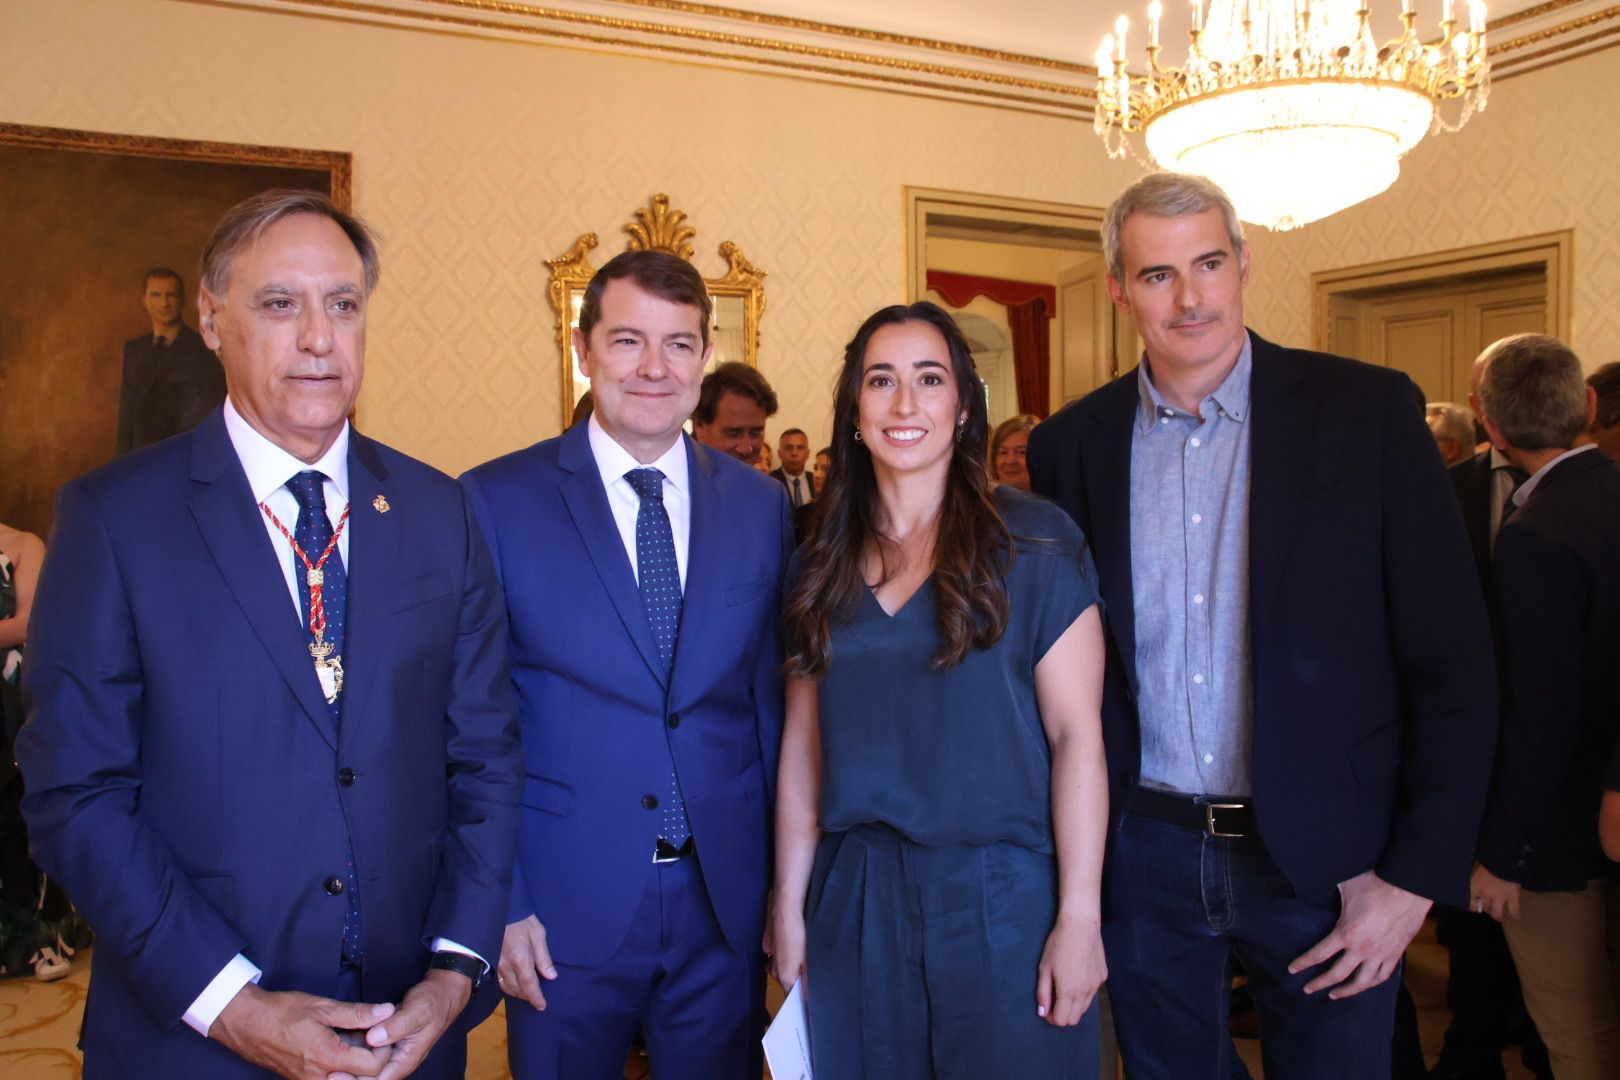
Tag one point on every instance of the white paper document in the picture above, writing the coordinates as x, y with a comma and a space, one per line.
787, 1040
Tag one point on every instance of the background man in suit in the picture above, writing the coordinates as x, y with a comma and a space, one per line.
733, 404
171, 379
277, 784
794, 450
642, 572
1482, 986
1605, 381
1297, 746
1555, 590
1453, 429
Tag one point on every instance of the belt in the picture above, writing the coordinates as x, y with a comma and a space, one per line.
667, 852
1228, 819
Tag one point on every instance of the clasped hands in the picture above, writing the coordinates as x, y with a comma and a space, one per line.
305, 1037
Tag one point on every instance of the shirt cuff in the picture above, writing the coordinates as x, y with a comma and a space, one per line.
218, 994
444, 944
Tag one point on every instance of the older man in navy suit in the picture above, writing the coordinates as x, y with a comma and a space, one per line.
272, 746
642, 573
1298, 739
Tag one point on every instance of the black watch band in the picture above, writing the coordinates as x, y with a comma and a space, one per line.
461, 963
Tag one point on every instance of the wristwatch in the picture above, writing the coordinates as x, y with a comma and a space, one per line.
461, 963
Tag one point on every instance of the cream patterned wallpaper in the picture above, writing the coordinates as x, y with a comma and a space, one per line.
477, 160
1541, 157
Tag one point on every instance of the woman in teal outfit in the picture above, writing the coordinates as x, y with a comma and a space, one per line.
942, 799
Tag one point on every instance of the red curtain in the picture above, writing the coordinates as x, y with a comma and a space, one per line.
1032, 353
1030, 306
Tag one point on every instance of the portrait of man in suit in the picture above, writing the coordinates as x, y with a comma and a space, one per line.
1298, 741
642, 572
272, 747
171, 378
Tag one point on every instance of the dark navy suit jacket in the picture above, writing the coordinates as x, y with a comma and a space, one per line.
1555, 594
183, 770
1372, 728
597, 709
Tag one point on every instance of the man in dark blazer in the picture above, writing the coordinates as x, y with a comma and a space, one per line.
1555, 592
642, 573
272, 744
1298, 745
171, 378
1482, 987
793, 449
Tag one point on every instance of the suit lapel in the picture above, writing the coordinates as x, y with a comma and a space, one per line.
587, 504
704, 551
374, 568
1107, 467
1281, 451
228, 519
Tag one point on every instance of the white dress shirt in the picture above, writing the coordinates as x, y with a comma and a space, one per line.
613, 461
804, 496
268, 468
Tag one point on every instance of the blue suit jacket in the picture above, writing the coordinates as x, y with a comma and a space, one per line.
183, 769
1373, 729
597, 711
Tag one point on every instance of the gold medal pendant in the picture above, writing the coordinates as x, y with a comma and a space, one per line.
329, 670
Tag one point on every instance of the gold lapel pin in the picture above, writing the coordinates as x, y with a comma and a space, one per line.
380, 505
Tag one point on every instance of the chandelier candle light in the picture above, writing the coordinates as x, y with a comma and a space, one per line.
1291, 105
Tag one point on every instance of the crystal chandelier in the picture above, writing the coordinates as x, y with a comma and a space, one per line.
1292, 106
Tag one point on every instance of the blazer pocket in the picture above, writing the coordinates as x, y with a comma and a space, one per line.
1375, 758
420, 590
547, 796
742, 594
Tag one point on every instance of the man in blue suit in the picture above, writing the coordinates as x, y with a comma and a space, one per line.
272, 745
642, 574
1298, 737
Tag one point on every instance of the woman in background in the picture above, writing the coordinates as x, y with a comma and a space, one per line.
27, 941
1009, 448
942, 799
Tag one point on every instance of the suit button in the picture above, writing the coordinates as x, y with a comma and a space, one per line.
346, 777
334, 886
674, 720
649, 802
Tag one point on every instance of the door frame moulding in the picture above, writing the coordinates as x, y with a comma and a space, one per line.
920, 202
1553, 252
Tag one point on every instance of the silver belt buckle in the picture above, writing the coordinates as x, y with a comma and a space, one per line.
1209, 819
660, 860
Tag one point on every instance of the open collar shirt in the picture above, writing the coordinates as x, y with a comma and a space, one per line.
1190, 582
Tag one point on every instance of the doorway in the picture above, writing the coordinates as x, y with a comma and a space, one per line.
1432, 315
1021, 247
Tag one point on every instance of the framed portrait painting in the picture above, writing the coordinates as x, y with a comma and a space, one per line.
99, 353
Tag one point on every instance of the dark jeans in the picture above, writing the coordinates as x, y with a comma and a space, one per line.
1180, 906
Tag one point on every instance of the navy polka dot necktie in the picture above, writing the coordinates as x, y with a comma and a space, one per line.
659, 578
313, 532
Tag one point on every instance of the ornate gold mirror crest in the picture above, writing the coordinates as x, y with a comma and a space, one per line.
738, 294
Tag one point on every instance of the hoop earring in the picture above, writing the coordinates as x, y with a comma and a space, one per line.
961, 429
858, 436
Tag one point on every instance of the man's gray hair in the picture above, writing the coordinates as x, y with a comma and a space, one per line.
1533, 390
1456, 422
1165, 194
244, 222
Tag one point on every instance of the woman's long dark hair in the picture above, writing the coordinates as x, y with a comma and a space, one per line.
972, 548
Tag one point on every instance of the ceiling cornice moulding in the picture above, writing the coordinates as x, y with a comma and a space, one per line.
727, 37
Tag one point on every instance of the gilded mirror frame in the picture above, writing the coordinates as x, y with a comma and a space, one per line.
654, 227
